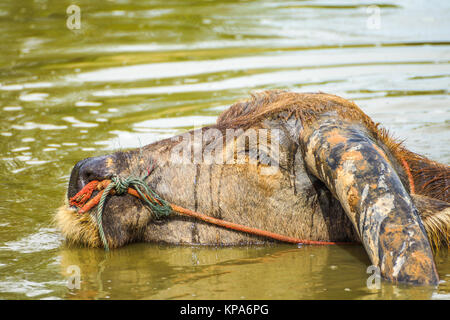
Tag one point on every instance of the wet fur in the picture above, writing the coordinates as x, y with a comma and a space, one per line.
435, 216
79, 229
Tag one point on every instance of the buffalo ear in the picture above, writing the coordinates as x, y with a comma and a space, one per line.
435, 215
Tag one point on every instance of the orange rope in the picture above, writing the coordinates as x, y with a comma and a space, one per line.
81, 197
186, 212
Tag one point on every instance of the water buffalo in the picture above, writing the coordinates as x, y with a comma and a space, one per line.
306, 165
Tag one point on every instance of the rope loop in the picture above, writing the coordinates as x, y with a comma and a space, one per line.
159, 207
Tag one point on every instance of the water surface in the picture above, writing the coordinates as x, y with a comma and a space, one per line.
135, 73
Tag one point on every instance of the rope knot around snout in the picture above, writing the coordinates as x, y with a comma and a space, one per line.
121, 185
159, 207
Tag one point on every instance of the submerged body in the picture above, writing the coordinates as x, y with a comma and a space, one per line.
310, 166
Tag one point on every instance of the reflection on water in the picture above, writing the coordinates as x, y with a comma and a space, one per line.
139, 72
281, 272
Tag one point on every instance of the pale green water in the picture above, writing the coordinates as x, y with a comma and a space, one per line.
138, 72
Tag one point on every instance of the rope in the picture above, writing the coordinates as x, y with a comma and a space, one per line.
100, 215
161, 208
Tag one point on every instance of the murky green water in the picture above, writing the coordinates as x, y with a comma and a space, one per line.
138, 72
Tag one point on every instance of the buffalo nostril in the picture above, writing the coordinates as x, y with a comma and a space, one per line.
88, 176
74, 177
94, 169
87, 170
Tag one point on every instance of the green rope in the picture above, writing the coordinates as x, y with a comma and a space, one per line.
161, 209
